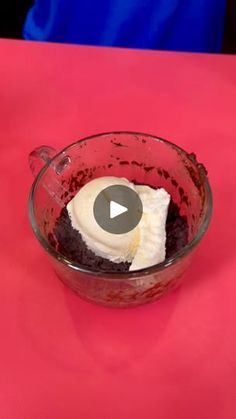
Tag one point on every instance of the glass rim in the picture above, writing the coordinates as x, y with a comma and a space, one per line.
127, 274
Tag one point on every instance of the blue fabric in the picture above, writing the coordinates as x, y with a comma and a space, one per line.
186, 25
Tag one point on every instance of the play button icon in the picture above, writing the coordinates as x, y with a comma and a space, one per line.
117, 209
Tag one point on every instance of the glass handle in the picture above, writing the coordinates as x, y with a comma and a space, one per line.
39, 157
43, 155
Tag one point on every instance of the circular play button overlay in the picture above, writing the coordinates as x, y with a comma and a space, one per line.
118, 209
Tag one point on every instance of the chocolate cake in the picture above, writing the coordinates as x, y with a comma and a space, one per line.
69, 242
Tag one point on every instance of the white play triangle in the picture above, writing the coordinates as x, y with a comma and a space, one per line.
116, 209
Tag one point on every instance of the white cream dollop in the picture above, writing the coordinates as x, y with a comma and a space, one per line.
143, 246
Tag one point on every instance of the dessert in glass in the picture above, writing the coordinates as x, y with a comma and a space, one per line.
137, 266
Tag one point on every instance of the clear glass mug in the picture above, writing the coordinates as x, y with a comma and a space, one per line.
141, 158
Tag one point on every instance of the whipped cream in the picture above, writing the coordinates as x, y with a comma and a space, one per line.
143, 246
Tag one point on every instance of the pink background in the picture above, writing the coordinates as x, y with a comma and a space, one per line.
61, 357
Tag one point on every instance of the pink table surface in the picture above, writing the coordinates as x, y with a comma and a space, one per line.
61, 357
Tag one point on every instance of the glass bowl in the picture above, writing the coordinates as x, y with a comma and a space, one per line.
143, 159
